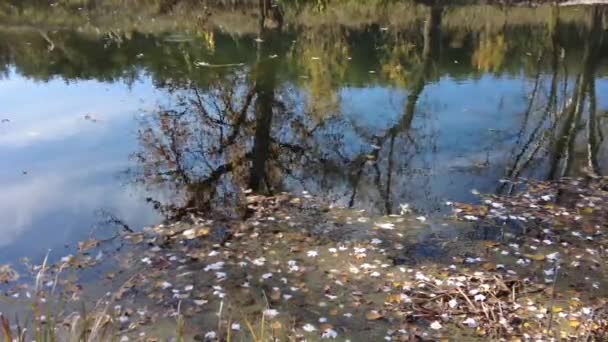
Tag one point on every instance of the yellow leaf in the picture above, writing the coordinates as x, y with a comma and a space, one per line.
574, 323
490, 244
393, 298
537, 257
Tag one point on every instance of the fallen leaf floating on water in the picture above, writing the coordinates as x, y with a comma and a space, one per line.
373, 315
195, 233
84, 246
475, 293
8, 274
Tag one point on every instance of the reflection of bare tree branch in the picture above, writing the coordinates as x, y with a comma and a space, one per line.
562, 162
236, 129
537, 137
430, 50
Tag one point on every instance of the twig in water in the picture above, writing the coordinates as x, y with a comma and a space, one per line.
556, 270
467, 298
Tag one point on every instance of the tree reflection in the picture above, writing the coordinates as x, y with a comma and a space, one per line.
249, 131
568, 131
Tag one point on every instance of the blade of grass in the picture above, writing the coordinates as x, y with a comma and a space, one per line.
251, 330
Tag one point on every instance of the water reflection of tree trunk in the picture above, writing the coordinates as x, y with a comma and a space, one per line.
594, 135
563, 159
265, 84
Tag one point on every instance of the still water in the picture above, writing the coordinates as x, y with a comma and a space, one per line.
103, 123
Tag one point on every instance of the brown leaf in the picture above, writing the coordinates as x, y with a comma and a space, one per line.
488, 266
84, 246
7, 274
373, 315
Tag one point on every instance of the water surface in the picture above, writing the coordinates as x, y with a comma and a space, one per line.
102, 121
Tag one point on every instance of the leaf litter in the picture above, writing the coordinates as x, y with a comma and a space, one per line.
533, 267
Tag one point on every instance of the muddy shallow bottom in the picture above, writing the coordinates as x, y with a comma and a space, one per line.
297, 269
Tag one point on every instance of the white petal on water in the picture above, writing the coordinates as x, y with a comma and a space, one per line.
215, 266
259, 261
270, 313
470, 322
405, 208
479, 298
388, 226
190, 234
436, 325
329, 333
309, 327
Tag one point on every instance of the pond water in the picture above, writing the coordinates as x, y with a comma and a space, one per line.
108, 118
